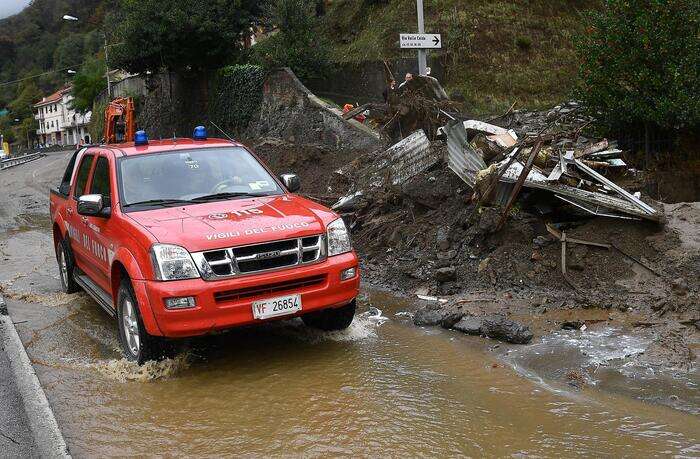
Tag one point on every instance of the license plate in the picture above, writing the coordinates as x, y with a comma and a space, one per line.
275, 307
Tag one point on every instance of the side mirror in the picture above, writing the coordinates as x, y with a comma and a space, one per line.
291, 182
92, 205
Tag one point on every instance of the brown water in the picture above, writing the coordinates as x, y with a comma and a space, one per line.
381, 388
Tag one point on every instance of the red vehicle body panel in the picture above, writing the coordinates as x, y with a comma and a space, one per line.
103, 248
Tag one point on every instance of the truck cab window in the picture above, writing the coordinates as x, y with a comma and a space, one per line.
83, 173
100, 181
64, 187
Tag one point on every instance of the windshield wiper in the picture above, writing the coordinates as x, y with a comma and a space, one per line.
226, 195
158, 202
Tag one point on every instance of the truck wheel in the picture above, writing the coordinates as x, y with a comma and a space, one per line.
331, 319
64, 257
137, 344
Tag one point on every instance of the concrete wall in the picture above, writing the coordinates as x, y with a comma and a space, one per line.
173, 105
290, 111
365, 82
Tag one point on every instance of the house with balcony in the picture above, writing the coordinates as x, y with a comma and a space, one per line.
59, 123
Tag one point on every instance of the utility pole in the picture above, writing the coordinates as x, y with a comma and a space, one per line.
422, 60
109, 82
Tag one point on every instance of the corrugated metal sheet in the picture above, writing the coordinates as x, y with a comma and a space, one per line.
410, 157
462, 159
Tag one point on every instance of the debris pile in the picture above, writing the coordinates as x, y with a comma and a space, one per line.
497, 163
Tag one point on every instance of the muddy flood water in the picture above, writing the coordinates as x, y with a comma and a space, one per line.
381, 388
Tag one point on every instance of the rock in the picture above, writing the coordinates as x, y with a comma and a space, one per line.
483, 264
572, 325
679, 286
446, 274
542, 241
446, 255
469, 325
442, 239
451, 318
427, 317
536, 256
503, 329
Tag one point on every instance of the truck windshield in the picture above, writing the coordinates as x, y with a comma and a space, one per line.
176, 178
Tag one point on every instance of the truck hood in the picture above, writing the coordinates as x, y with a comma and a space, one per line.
232, 223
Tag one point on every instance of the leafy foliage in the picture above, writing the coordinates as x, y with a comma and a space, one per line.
298, 43
88, 83
180, 34
641, 63
236, 96
37, 40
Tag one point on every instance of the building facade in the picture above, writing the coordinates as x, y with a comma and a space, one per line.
59, 124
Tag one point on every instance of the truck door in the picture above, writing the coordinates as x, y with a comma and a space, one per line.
100, 230
78, 239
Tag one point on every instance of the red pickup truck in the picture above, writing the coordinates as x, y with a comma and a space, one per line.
186, 237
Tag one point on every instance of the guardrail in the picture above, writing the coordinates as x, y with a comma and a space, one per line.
12, 162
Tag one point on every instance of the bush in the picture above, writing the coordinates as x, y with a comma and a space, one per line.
298, 43
236, 96
640, 64
523, 43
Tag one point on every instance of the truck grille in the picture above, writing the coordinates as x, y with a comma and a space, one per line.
295, 285
250, 259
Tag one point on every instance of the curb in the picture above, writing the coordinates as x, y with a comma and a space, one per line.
48, 440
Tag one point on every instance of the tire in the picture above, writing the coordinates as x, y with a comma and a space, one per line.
331, 319
138, 346
66, 267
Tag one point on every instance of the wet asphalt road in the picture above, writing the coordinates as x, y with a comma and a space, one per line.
15, 210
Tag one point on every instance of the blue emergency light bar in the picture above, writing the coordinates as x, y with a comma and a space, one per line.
200, 133
140, 138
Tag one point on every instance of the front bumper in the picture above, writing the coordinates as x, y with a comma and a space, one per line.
216, 311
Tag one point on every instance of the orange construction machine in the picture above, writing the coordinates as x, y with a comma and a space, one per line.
120, 125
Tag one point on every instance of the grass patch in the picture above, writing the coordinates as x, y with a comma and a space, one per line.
495, 52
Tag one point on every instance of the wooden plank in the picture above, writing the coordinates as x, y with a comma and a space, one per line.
519, 184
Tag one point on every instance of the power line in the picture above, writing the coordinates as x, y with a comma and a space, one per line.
6, 83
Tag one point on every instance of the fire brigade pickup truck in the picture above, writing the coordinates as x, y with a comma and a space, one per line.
186, 237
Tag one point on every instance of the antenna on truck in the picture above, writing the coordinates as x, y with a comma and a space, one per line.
222, 131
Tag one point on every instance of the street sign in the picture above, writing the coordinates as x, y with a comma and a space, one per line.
421, 40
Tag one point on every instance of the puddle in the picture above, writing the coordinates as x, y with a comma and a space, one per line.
610, 359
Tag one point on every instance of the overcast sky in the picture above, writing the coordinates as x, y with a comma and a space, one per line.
10, 7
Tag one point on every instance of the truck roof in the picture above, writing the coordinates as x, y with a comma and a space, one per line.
157, 146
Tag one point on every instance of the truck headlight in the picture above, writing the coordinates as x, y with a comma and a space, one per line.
338, 238
172, 262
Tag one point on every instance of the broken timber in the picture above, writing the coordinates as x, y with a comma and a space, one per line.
519, 183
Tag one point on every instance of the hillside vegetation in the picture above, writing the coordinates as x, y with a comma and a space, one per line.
37, 40
495, 52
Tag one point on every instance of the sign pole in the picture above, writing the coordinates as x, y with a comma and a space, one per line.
422, 60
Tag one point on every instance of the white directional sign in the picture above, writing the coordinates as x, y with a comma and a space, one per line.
421, 40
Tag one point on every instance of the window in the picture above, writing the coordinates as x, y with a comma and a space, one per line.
100, 181
81, 178
193, 174
64, 187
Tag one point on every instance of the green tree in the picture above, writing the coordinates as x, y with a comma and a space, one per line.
640, 64
22, 106
69, 51
88, 83
298, 43
180, 34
